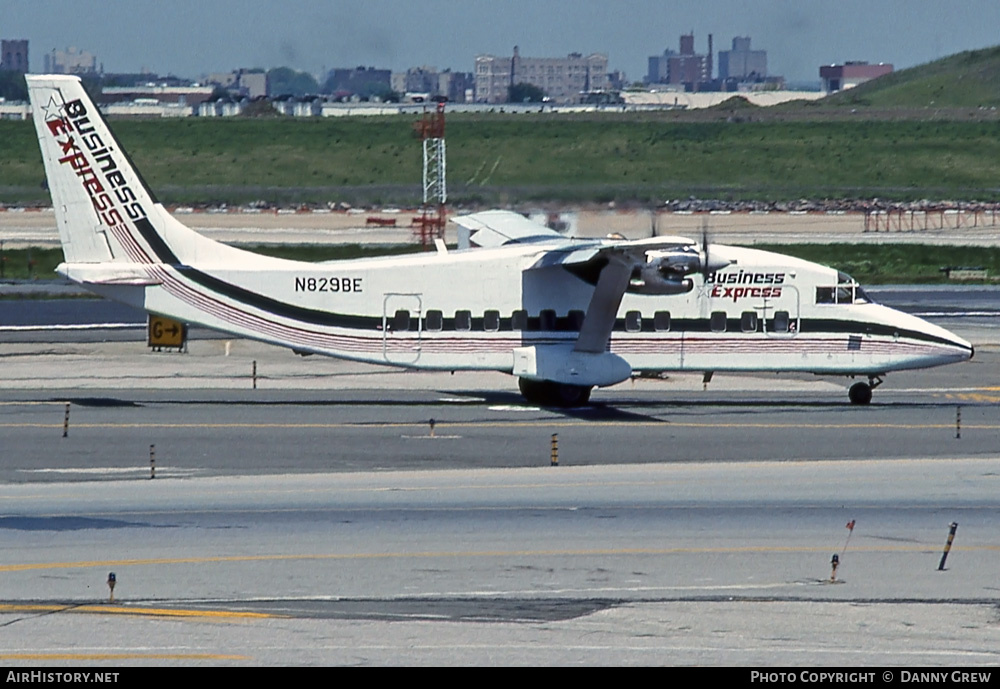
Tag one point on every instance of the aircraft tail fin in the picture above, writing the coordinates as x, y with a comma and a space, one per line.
103, 208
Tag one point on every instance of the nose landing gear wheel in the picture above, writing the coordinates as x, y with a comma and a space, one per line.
860, 393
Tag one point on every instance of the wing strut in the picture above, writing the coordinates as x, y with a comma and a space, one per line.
595, 333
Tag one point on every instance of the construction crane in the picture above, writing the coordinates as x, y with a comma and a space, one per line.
430, 225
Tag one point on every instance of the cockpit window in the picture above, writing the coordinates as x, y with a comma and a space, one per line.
826, 295
847, 291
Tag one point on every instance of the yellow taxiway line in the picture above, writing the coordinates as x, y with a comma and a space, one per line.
110, 609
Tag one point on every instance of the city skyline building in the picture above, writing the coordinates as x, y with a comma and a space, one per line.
70, 61
14, 55
561, 79
685, 68
742, 63
362, 81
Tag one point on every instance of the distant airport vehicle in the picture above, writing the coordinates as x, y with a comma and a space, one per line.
563, 315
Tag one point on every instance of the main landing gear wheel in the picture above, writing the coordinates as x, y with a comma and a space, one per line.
860, 393
546, 393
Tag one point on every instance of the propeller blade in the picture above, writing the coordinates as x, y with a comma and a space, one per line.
708, 263
704, 248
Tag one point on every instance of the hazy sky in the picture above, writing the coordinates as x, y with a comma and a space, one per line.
194, 37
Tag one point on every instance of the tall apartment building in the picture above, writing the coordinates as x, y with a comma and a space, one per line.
659, 68
420, 80
14, 55
455, 86
70, 61
741, 62
684, 68
563, 79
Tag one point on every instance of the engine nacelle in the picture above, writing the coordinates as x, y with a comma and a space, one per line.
665, 273
677, 262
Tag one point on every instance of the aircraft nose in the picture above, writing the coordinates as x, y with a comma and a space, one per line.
970, 350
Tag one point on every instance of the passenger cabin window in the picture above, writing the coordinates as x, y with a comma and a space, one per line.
718, 322
519, 320
491, 321
434, 321
748, 321
780, 322
401, 321
633, 321
463, 320
661, 321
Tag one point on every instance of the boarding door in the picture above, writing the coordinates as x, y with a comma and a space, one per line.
402, 323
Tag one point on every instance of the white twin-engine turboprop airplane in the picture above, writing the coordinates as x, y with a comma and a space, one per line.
561, 314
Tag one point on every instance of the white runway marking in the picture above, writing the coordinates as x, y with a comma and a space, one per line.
109, 471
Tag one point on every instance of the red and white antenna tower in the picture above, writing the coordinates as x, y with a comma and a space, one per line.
430, 224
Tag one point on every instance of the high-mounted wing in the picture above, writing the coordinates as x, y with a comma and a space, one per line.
498, 228
658, 265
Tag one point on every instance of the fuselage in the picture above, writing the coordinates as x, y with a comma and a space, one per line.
467, 310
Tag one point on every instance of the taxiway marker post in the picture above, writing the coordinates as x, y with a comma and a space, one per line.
554, 458
66, 422
947, 546
834, 563
958, 422
432, 423
111, 586
152, 461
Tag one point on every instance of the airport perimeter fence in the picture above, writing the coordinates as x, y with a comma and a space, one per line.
911, 220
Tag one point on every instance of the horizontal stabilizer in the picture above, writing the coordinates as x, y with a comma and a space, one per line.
106, 274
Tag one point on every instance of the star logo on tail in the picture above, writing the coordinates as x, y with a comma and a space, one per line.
53, 109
